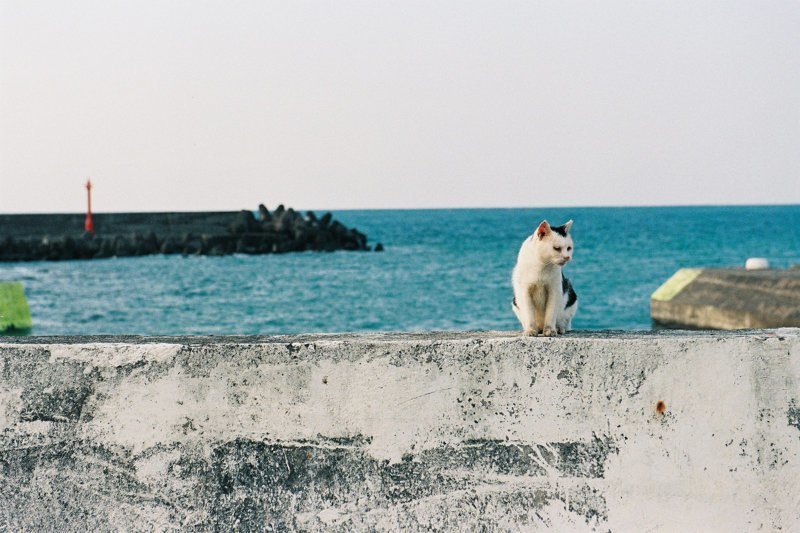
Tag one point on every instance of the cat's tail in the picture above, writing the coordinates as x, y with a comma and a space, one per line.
515, 308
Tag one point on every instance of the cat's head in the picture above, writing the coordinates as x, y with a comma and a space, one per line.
554, 243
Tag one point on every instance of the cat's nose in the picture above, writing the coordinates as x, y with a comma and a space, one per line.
567, 259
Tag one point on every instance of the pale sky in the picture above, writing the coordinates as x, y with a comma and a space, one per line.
190, 105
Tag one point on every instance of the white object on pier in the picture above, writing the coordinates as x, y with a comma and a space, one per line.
756, 263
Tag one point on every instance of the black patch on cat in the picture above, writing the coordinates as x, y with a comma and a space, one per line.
561, 230
566, 287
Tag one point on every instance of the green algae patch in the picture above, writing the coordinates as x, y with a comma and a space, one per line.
675, 284
15, 315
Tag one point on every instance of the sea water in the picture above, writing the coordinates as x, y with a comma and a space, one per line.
443, 269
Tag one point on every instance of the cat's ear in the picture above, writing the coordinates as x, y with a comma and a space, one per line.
567, 226
543, 230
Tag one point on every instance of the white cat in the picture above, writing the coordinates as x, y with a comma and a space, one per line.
544, 300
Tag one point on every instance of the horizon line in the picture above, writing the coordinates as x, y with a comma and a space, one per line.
464, 208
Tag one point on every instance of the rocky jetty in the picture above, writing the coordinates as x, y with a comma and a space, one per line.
48, 237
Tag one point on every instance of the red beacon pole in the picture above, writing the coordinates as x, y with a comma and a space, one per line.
89, 225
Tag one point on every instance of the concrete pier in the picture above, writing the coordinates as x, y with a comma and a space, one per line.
728, 298
668, 431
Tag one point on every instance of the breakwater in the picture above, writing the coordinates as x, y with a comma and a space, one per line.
61, 236
728, 298
670, 431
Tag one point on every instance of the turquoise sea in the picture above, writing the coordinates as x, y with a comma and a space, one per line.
443, 269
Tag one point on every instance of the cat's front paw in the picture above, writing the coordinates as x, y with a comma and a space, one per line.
561, 331
549, 332
528, 332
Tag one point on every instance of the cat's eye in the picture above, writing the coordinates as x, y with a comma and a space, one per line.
557, 248
569, 249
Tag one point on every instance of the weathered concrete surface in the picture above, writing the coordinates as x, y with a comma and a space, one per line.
608, 431
728, 298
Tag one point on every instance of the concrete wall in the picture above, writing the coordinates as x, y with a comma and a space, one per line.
40, 225
665, 431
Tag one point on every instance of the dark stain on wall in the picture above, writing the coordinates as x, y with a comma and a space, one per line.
793, 414
244, 484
